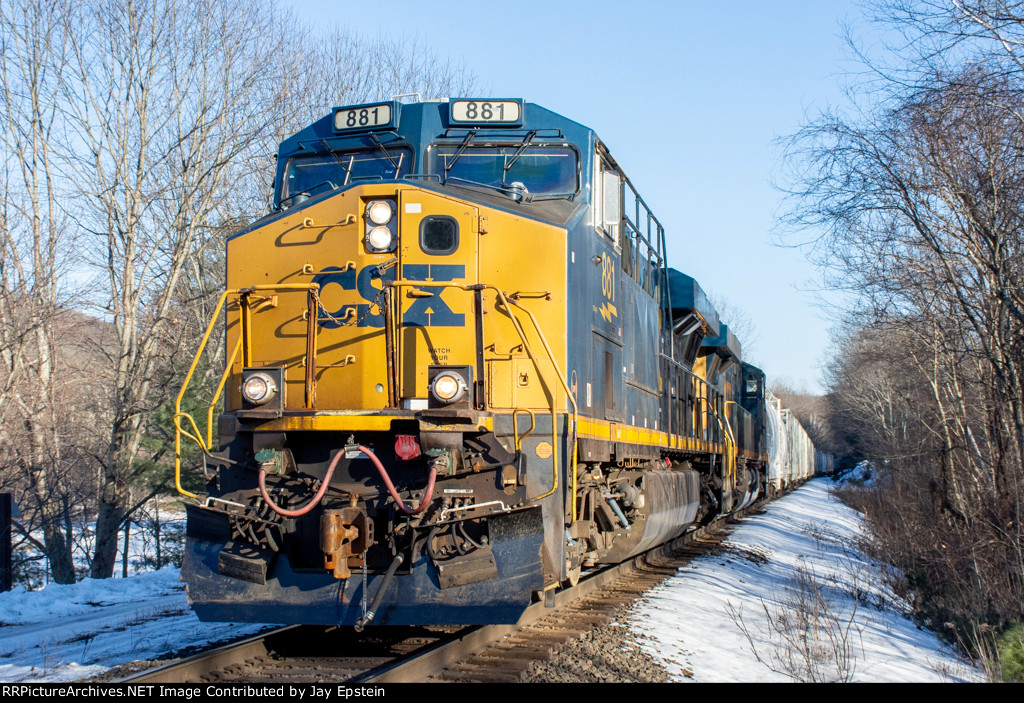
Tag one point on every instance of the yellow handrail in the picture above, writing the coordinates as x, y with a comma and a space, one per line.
529, 352
572, 400
196, 435
228, 364
515, 429
730, 443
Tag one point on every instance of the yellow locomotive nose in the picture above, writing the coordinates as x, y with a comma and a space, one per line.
444, 260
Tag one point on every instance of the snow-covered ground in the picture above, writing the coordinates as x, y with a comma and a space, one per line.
792, 585
693, 623
65, 633
166, 519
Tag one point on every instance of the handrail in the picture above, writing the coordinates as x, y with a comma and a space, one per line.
515, 430
242, 347
572, 400
730, 445
548, 386
196, 435
228, 364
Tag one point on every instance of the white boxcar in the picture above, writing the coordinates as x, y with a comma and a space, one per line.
800, 459
776, 444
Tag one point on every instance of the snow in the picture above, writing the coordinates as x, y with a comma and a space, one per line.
70, 632
694, 622
863, 474
33, 570
64, 633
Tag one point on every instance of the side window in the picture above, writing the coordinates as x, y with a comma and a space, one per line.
608, 200
612, 191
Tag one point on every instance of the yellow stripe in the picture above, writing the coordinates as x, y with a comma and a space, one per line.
593, 428
587, 428
361, 423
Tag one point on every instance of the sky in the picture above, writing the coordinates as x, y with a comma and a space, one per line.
690, 98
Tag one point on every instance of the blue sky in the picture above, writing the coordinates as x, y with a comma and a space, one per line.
689, 97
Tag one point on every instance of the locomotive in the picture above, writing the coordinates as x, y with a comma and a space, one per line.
459, 372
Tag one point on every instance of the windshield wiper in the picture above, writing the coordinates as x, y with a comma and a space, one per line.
551, 196
520, 195
308, 192
519, 152
396, 164
458, 181
346, 169
459, 151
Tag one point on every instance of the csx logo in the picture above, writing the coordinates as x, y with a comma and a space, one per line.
427, 310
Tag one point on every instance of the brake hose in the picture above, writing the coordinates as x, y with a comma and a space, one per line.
427, 496
311, 504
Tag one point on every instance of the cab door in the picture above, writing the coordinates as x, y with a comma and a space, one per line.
436, 325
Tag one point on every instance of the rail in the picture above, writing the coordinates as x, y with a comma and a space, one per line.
508, 304
690, 398
644, 236
244, 347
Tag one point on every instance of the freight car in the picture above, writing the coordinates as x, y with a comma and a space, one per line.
459, 371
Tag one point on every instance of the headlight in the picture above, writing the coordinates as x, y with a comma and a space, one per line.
379, 239
258, 388
449, 387
379, 212
381, 226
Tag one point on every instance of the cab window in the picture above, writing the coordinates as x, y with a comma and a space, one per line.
541, 169
315, 173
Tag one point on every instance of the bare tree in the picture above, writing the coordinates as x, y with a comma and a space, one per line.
919, 189
162, 98
740, 323
136, 135
35, 243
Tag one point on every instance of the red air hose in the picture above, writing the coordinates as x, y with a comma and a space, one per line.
391, 487
311, 504
327, 479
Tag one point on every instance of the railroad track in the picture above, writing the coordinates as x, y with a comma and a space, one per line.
508, 659
495, 653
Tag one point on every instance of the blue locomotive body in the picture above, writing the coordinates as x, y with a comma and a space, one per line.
462, 373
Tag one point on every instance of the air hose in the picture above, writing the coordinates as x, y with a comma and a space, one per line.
311, 504
427, 496
367, 618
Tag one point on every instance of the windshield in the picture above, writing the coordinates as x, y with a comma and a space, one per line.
542, 169
317, 172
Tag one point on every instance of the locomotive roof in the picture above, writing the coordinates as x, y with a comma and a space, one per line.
686, 295
726, 345
422, 123
417, 125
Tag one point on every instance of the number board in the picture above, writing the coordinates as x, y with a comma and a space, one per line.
372, 116
464, 111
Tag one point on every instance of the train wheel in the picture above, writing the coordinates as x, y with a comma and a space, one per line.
572, 576
573, 562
